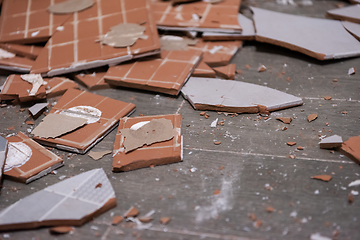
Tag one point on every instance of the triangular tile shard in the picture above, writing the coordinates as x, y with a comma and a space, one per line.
3, 152
165, 151
351, 149
350, 13
27, 160
235, 96
68, 50
71, 202
332, 40
203, 70
93, 80
164, 75
37, 109
353, 28
28, 51
103, 114
226, 72
248, 31
331, 142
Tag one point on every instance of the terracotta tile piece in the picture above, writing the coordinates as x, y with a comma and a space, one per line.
87, 136
28, 21
116, 220
93, 80
61, 230
312, 117
68, 50
286, 120
165, 75
203, 70
198, 16
227, 72
73, 201
353, 28
18, 89
16, 64
165, 220
156, 154
286, 30
132, 212
351, 149
32, 162
350, 13
324, 178
29, 51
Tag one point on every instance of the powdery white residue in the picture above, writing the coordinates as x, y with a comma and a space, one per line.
18, 154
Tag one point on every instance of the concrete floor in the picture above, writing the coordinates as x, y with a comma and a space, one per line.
253, 154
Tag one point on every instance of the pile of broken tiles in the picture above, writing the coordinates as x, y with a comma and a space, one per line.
166, 47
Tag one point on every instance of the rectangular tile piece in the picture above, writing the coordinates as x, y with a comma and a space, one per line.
27, 160
71, 202
76, 47
198, 16
16, 64
93, 79
235, 96
166, 74
81, 140
29, 51
353, 28
28, 21
332, 40
350, 13
159, 153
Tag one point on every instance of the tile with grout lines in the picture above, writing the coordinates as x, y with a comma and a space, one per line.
29, 51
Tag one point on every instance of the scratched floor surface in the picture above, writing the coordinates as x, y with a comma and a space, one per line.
250, 167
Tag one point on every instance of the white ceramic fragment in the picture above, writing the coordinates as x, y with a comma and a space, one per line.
331, 142
350, 13
353, 28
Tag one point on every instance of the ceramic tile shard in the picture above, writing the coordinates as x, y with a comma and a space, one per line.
37, 109
157, 130
286, 30
3, 153
331, 142
61, 230
286, 120
123, 35
203, 70
16, 64
5, 54
169, 42
36, 80
98, 155
84, 138
73, 201
93, 80
164, 152
70, 6
27, 160
261, 68
248, 31
64, 124
351, 149
353, 28
28, 51
131, 212
350, 13
224, 95
68, 50
351, 71
165, 75
312, 117
227, 72
324, 178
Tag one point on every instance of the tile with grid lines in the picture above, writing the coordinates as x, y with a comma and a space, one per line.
17, 89
71, 202
77, 46
82, 139
16, 64
28, 21
159, 153
27, 166
166, 74
29, 51
198, 16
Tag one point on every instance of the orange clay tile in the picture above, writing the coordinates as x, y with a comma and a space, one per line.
203, 70
87, 136
227, 72
217, 53
18, 89
40, 163
28, 21
351, 149
16, 64
93, 80
198, 16
165, 75
28, 51
77, 46
159, 153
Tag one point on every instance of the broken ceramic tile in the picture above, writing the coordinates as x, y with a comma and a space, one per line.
116, 220
37, 109
107, 113
98, 155
61, 230
248, 31
351, 71
17, 89
286, 120
224, 95
227, 72
165, 75
73, 201
312, 117
165, 220
93, 80
3, 153
198, 16
132, 212
28, 51
16, 63
35, 80
287, 31
353, 28
261, 68
27, 21
351, 149
27, 161
70, 6
68, 50
123, 35
350, 13
324, 178
203, 70
331, 142
158, 153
